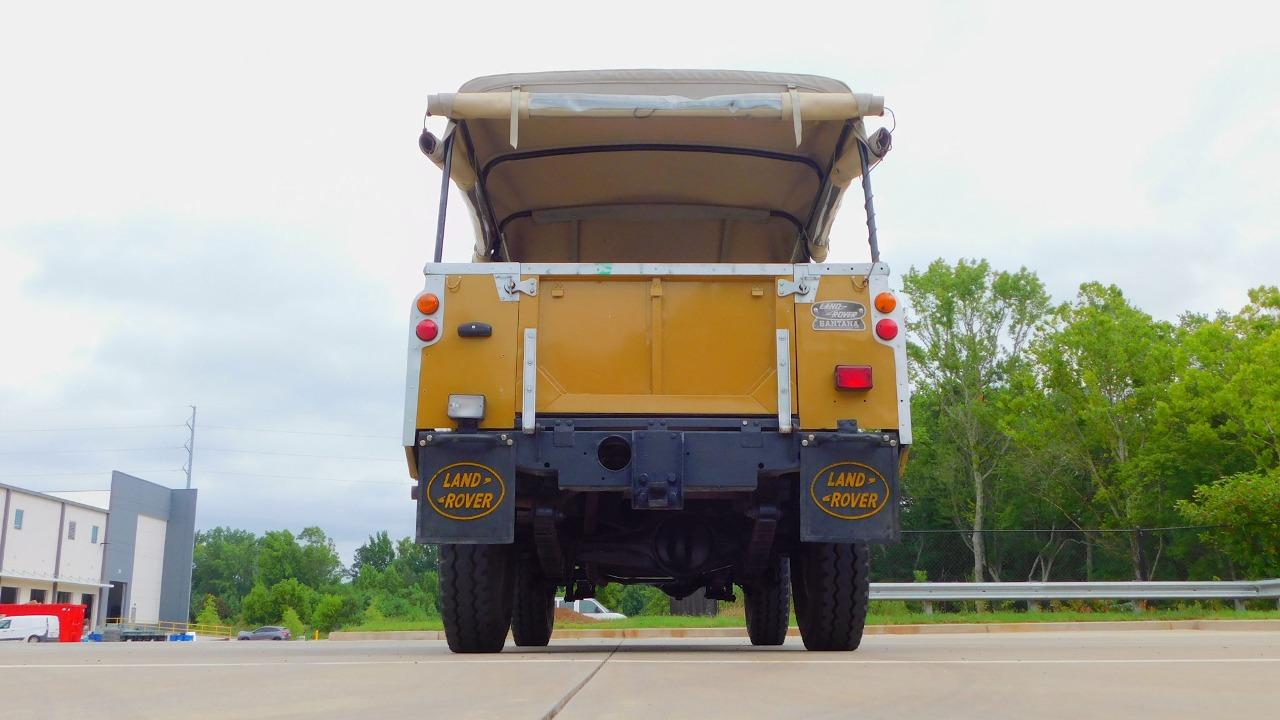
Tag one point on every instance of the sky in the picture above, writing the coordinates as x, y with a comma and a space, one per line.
224, 205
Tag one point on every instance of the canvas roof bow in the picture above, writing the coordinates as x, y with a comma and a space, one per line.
527, 141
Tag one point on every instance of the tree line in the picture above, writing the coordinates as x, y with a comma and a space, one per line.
240, 578
1086, 418
244, 579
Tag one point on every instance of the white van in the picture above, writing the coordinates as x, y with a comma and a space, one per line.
591, 608
29, 628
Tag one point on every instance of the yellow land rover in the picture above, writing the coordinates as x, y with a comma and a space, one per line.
647, 373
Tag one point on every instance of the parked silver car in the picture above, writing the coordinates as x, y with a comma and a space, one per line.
266, 632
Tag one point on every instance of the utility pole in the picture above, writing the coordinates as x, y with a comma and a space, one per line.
191, 445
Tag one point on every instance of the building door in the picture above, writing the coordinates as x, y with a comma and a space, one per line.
86, 599
115, 600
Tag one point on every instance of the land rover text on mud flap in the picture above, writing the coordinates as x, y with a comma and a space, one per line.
647, 374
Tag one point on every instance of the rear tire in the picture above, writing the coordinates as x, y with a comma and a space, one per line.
33, 639
534, 611
831, 582
768, 604
475, 596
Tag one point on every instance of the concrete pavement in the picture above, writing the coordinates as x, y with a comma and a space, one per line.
1163, 674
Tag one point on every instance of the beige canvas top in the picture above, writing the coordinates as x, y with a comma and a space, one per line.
654, 165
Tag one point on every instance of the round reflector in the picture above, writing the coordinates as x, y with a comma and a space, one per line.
428, 303
886, 302
886, 329
428, 330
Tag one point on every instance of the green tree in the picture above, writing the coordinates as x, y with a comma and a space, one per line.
279, 557
335, 611
257, 607
1245, 510
209, 613
289, 618
314, 561
968, 328
657, 603
1101, 373
320, 565
378, 553
291, 593
223, 565
414, 559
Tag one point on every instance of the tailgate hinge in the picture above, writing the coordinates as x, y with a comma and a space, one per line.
510, 287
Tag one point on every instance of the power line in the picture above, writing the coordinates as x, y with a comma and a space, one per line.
96, 472
83, 452
81, 429
297, 432
306, 455
306, 477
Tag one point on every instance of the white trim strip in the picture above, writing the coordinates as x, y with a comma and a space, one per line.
784, 381
528, 408
413, 364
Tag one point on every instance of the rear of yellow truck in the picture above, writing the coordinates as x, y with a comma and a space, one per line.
647, 374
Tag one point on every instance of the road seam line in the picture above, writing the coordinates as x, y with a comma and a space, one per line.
641, 661
555, 710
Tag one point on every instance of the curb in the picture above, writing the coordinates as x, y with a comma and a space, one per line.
924, 629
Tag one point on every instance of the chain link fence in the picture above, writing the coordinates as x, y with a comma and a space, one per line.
1171, 553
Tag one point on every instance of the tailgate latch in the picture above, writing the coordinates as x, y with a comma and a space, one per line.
510, 287
804, 287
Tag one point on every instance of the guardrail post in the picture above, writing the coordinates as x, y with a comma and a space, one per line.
1239, 603
928, 607
1033, 606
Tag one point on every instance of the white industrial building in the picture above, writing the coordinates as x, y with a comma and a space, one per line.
124, 552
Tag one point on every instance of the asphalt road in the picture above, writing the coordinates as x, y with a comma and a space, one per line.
1129, 674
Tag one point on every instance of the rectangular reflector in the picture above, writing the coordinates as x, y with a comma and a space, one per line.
853, 377
466, 407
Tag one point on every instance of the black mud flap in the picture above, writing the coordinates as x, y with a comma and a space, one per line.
849, 488
466, 489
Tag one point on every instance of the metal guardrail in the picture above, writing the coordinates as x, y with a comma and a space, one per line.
1237, 591
169, 628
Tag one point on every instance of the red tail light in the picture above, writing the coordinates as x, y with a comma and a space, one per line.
887, 329
853, 377
427, 330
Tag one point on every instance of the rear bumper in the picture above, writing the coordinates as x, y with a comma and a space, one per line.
843, 484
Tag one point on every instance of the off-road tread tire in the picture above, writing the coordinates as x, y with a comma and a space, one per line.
533, 612
767, 601
831, 587
475, 596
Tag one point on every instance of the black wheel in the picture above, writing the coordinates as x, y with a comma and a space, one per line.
830, 583
768, 604
534, 604
475, 596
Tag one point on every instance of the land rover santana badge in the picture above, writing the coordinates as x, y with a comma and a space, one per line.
465, 491
839, 315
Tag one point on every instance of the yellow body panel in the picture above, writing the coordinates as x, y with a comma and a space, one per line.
476, 366
656, 346
628, 345
819, 351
